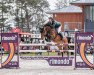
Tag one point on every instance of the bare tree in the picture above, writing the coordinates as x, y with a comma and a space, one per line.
62, 3
34, 11
4, 7
24, 13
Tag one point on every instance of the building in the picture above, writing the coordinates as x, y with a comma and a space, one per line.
70, 17
88, 12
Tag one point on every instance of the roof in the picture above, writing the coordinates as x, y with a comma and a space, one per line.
84, 2
24, 33
67, 9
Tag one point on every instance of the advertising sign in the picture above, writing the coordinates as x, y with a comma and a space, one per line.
84, 37
84, 40
59, 61
11, 55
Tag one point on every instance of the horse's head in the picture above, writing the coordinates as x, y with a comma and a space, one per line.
45, 31
53, 33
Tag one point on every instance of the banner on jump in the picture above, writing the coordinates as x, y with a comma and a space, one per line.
60, 61
84, 50
9, 43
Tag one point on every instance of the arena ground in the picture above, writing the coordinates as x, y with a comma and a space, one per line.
41, 67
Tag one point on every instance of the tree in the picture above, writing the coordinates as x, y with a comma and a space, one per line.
24, 13
62, 3
34, 11
3, 12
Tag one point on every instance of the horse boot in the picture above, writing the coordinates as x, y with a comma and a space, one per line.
48, 39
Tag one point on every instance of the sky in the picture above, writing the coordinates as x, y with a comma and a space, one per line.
52, 4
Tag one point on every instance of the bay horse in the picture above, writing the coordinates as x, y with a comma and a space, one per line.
50, 33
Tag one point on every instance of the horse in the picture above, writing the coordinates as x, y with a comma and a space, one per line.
50, 33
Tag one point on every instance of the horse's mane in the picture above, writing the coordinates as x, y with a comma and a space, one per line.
48, 24
41, 30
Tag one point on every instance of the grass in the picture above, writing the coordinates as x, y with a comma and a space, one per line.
44, 54
38, 54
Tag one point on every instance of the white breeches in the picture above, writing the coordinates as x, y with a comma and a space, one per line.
59, 29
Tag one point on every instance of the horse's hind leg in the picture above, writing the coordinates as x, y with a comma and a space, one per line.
62, 54
66, 51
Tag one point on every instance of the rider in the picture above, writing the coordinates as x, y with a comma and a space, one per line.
56, 25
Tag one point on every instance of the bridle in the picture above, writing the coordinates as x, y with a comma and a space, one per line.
49, 32
54, 33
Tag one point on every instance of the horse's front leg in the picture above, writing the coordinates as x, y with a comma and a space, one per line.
45, 32
65, 48
65, 45
60, 53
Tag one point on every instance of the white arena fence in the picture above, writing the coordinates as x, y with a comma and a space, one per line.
52, 60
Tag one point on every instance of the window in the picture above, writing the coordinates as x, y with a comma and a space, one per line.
89, 14
90, 9
93, 14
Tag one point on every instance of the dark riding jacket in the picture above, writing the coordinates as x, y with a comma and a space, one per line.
55, 24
